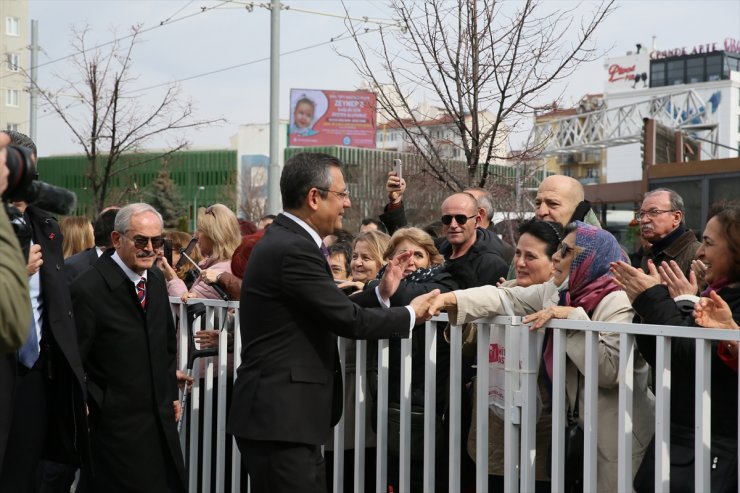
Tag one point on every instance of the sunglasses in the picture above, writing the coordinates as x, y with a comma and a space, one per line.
459, 219
141, 242
564, 249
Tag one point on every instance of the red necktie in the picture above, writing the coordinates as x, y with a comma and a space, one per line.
141, 292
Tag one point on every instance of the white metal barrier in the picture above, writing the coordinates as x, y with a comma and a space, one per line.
520, 399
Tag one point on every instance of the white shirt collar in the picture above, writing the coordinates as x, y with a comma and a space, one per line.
133, 276
304, 225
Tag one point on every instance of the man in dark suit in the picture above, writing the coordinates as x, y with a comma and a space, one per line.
127, 342
102, 228
288, 391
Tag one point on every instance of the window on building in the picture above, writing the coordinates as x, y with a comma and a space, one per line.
13, 127
14, 62
657, 74
732, 64
11, 97
12, 26
675, 73
695, 70
714, 67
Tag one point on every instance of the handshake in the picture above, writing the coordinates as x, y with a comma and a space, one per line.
427, 305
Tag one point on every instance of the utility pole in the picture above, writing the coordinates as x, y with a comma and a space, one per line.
34, 48
273, 194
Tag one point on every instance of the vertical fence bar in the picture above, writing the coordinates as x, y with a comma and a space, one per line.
662, 414
223, 348
455, 377
528, 382
626, 388
430, 403
360, 413
590, 411
338, 474
481, 407
207, 426
404, 482
512, 414
702, 414
194, 427
381, 458
236, 458
559, 408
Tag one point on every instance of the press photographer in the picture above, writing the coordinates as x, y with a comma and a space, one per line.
46, 372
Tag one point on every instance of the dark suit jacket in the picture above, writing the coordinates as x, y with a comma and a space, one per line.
289, 385
67, 439
129, 356
79, 263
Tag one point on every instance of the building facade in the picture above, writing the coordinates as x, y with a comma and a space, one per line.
14, 59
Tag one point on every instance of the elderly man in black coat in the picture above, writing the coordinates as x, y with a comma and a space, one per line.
127, 342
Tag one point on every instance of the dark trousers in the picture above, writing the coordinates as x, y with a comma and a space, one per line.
283, 467
27, 431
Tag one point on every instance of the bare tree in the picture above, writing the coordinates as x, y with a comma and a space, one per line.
485, 62
108, 119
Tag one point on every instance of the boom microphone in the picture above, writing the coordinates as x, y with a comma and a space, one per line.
53, 199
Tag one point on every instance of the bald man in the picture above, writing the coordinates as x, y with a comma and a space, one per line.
561, 199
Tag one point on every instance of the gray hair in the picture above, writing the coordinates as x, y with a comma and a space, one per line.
675, 199
125, 214
485, 201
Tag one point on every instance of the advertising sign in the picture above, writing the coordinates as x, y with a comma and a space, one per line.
627, 73
332, 118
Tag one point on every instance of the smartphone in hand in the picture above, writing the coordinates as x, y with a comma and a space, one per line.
398, 169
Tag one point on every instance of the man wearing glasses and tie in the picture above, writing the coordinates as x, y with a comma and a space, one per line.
127, 342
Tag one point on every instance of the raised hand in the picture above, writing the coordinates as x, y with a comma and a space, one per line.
395, 187
672, 276
394, 274
699, 270
714, 312
633, 281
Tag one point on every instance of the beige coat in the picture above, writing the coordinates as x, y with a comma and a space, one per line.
485, 301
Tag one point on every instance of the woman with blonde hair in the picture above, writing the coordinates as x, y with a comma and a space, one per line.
78, 235
218, 236
367, 258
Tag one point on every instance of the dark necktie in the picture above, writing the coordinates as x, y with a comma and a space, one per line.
141, 292
325, 251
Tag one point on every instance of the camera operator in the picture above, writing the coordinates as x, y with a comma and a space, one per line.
15, 304
43, 410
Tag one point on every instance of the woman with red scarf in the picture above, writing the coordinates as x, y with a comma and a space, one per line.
582, 288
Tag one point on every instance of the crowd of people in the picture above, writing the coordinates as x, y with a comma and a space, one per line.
90, 361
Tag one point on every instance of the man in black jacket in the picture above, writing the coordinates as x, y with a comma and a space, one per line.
43, 412
288, 391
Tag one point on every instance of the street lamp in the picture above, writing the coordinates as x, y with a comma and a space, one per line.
195, 205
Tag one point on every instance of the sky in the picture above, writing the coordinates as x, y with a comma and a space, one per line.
188, 38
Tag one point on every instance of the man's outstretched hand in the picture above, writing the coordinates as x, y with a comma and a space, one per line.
421, 305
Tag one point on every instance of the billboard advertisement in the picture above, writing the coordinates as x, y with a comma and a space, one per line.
331, 118
627, 73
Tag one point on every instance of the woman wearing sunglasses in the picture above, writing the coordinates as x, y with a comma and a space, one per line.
218, 237
581, 288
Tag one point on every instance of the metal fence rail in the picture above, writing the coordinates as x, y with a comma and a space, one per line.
522, 365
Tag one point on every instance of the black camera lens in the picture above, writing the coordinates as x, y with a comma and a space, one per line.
21, 172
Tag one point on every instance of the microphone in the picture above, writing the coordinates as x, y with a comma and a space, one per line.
50, 198
187, 251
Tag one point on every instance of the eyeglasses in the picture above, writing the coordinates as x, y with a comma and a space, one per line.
342, 195
141, 242
564, 249
459, 219
652, 213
